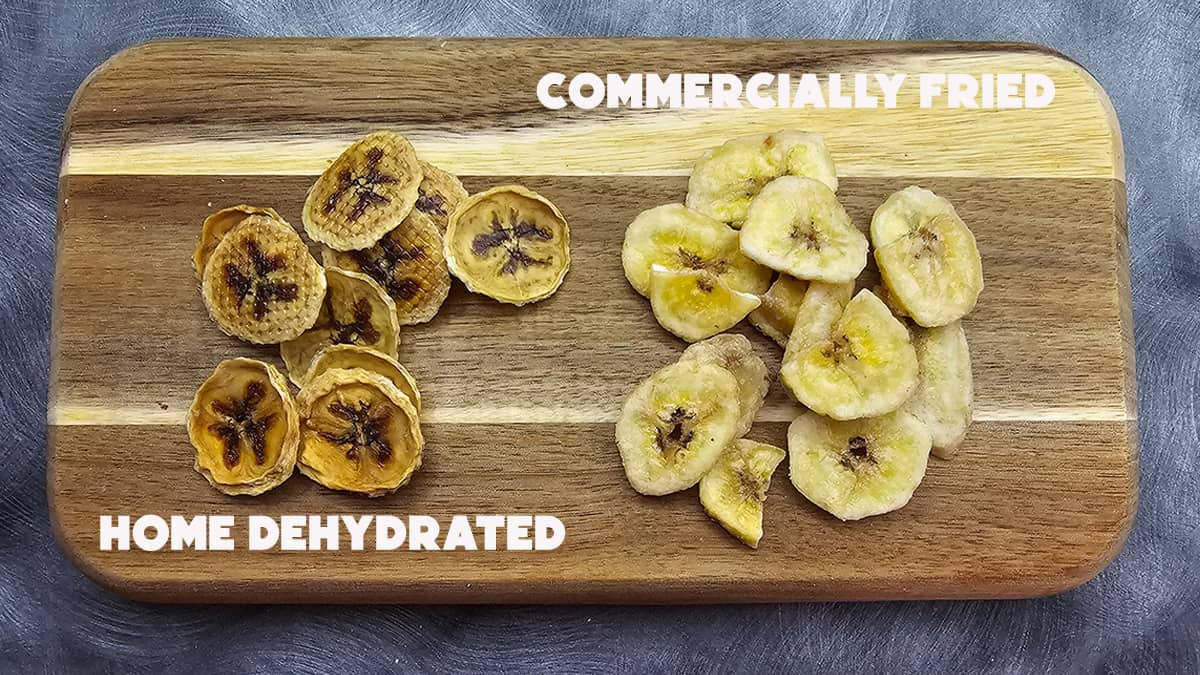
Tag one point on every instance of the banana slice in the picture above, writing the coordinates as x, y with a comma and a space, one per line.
353, 356
359, 433
944, 391
849, 363
727, 178
365, 193
796, 226
859, 468
218, 225
261, 284
356, 311
245, 428
776, 316
410, 265
678, 238
510, 244
733, 491
675, 424
927, 257
694, 304
735, 354
439, 193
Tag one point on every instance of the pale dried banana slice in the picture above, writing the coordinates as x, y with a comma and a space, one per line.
849, 363
245, 428
727, 178
675, 424
510, 244
680, 239
945, 392
797, 226
218, 225
356, 311
735, 354
359, 433
261, 284
776, 316
734, 490
366, 192
858, 468
927, 257
695, 304
439, 193
410, 264
355, 356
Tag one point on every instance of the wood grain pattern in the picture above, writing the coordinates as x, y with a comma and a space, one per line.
520, 402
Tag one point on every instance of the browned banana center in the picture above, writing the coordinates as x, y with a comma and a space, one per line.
805, 234
430, 203
254, 281
927, 242
364, 430
839, 349
510, 237
385, 263
856, 454
237, 424
363, 185
695, 262
750, 486
674, 433
359, 327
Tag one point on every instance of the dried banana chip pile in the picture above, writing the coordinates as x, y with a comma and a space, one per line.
885, 380
392, 230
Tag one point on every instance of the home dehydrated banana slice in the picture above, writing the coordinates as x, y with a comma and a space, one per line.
851, 362
680, 239
356, 311
735, 354
409, 263
366, 192
439, 193
927, 257
735, 488
355, 356
944, 391
245, 428
261, 284
218, 225
727, 178
675, 424
776, 316
858, 468
510, 244
359, 433
696, 304
797, 226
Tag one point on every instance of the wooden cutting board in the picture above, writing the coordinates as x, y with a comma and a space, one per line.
521, 402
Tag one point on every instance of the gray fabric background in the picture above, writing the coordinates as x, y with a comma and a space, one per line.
1141, 615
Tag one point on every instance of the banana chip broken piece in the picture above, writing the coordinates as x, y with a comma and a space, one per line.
695, 304
510, 244
776, 316
735, 354
359, 433
245, 428
944, 391
734, 490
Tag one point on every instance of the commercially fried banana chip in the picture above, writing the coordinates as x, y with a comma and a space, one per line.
945, 391
245, 428
261, 284
356, 311
927, 257
680, 239
858, 468
727, 178
355, 356
797, 226
510, 244
438, 195
675, 424
696, 304
776, 316
218, 225
733, 491
367, 191
409, 263
359, 433
852, 362
735, 354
